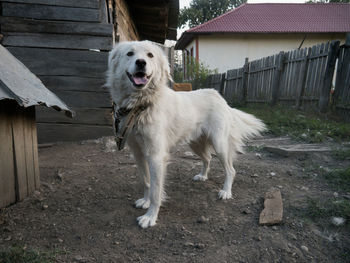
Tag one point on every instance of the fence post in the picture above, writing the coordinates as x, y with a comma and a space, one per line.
277, 78
328, 76
222, 84
343, 71
245, 80
304, 69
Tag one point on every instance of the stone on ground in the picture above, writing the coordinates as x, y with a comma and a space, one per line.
273, 208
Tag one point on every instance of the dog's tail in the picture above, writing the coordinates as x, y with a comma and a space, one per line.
245, 126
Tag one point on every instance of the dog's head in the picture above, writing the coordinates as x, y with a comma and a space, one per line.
137, 65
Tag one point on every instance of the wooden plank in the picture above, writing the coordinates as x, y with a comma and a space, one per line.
7, 168
302, 79
76, 3
35, 151
27, 54
328, 76
85, 99
94, 116
49, 67
28, 149
277, 78
46, 12
48, 132
57, 41
15, 24
19, 152
73, 83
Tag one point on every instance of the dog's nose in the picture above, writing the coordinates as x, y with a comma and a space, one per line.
140, 63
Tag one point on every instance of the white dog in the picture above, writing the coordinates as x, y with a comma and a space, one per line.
153, 118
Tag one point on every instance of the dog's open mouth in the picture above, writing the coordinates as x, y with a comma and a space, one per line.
139, 79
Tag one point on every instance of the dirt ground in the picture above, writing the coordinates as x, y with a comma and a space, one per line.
84, 210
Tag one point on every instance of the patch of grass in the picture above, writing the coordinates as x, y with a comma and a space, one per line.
18, 254
339, 178
318, 210
306, 126
342, 154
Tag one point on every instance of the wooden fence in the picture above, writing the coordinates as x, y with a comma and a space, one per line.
302, 78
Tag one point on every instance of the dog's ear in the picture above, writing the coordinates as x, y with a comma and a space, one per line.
165, 68
113, 57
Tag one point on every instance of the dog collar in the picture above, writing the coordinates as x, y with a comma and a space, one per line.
124, 121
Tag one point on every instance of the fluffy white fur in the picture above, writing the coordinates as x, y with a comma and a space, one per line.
201, 118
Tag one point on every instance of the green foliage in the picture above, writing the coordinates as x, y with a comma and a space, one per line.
19, 255
305, 126
340, 178
201, 11
318, 210
197, 73
342, 154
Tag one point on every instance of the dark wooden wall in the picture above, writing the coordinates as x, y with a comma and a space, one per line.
19, 168
65, 43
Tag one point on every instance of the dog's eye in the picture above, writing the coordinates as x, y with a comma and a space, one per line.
130, 53
150, 55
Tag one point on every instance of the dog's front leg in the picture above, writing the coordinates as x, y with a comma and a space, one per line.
157, 171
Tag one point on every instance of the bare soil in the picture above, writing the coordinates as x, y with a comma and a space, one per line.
84, 211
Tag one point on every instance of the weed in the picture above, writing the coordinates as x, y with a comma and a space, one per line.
318, 210
342, 154
306, 126
339, 178
18, 254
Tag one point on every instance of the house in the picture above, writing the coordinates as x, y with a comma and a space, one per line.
259, 30
20, 91
66, 44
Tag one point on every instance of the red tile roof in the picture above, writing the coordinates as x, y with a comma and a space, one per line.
277, 18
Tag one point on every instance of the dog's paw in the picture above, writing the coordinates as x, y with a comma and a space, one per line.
225, 195
146, 220
142, 203
200, 177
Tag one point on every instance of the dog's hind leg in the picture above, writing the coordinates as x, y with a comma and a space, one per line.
143, 168
225, 155
202, 149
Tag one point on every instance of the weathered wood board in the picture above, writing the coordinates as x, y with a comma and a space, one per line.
46, 12
15, 24
76, 3
52, 132
57, 41
92, 116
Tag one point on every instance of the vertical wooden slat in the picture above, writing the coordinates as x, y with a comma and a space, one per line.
328, 76
28, 144
35, 151
19, 153
7, 170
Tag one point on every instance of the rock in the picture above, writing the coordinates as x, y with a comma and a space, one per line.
45, 206
258, 155
292, 236
304, 248
203, 220
273, 174
254, 175
273, 208
189, 244
246, 211
337, 221
200, 246
79, 258
275, 228
336, 195
304, 188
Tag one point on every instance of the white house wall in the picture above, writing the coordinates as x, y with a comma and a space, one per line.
224, 52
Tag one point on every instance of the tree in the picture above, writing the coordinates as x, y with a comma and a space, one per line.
201, 11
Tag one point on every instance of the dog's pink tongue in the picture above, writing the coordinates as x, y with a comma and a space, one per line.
140, 81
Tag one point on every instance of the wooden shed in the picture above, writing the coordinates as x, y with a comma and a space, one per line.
66, 44
20, 91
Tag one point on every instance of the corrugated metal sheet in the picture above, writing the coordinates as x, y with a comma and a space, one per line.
18, 83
